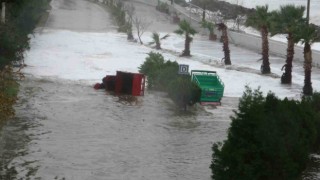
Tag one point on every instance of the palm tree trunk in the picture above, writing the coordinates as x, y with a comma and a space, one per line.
307, 88
286, 77
204, 13
265, 67
225, 41
186, 51
158, 45
130, 35
212, 36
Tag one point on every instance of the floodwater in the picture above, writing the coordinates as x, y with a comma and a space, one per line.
65, 129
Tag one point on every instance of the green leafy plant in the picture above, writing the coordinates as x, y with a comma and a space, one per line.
22, 16
269, 138
188, 31
163, 7
210, 26
157, 40
163, 75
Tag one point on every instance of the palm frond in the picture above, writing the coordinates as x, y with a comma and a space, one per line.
179, 31
260, 18
155, 36
165, 36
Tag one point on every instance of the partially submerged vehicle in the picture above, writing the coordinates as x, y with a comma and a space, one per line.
123, 83
212, 88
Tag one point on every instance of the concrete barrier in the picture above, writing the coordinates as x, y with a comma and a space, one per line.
276, 48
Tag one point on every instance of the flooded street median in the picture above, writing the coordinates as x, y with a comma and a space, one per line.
68, 130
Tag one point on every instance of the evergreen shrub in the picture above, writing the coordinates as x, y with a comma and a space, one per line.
269, 138
163, 7
22, 17
163, 75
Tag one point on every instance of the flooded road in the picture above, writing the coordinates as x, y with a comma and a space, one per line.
65, 129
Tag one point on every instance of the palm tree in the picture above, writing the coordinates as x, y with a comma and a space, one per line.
286, 21
210, 27
156, 39
308, 35
224, 37
261, 20
186, 29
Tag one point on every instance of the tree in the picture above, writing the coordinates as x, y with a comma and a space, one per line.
141, 26
286, 21
186, 29
224, 37
21, 19
261, 20
130, 10
156, 39
269, 138
162, 75
204, 8
210, 27
308, 35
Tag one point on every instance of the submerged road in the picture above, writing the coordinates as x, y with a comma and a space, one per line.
81, 15
63, 129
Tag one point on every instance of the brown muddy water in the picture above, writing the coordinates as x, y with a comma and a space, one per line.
68, 130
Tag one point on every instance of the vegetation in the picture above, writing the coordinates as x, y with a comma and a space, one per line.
308, 35
186, 29
141, 25
119, 15
130, 11
8, 93
21, 18
156, 39
210, 27
286, 21
224, 37
163, 7
261, 20
180, 2
163, 75
266, 143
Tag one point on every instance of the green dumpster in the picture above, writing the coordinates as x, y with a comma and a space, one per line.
211, 86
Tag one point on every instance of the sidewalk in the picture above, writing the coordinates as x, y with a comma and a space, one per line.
250, 40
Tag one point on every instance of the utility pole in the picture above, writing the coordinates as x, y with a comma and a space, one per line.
308, 12
3, 12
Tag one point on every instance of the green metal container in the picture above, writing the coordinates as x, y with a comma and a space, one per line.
212, 87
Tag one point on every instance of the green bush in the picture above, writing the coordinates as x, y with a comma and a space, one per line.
314, 101
183, 91
269, 138
163, 75
12, 45
163, 7
119, 16
22, 17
